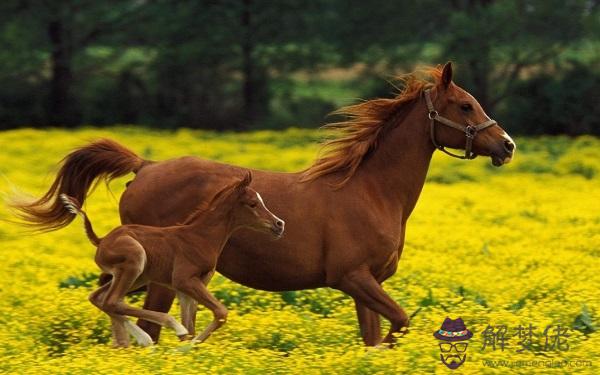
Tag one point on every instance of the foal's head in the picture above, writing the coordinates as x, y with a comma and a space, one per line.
247, 209
457, 105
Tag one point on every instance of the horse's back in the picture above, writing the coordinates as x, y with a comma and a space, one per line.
164, 193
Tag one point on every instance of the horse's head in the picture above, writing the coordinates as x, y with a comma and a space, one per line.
458, 121
249, 210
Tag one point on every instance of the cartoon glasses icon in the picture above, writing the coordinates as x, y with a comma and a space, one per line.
460, 347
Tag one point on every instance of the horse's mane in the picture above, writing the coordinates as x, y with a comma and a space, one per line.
366, 122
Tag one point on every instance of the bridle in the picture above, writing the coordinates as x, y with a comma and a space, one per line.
469, 130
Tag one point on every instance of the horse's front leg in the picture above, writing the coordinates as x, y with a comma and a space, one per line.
194, 287
369, 323
189, 307
362, 286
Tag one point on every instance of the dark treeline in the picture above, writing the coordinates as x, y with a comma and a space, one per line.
244, 64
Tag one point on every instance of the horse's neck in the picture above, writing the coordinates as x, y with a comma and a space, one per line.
208, 227
398, 166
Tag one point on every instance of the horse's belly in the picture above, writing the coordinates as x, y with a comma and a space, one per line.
251, 260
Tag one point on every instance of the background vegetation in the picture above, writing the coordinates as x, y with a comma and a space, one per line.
240, 64
516, 245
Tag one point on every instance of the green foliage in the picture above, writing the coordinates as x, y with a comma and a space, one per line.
584, 321
556, 103
85, 280
239, 64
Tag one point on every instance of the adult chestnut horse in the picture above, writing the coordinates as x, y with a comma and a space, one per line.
346, 214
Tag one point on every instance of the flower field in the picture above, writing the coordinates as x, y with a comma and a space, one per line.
509, 246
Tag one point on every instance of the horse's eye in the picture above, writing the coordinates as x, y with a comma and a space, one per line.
466, 107
253, 205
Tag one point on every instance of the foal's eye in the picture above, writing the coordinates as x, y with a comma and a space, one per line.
466, 107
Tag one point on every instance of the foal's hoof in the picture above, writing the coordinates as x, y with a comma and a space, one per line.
384, 346
142, 338
144, 341
186, 337
179, 328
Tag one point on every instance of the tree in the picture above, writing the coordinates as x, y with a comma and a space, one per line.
499, 41
70, 27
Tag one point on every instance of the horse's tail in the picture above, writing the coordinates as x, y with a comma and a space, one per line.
73, 206
100, 159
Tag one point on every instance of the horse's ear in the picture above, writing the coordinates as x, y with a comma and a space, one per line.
447, 74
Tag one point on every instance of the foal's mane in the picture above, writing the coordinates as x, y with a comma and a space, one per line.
366, 123
218, 198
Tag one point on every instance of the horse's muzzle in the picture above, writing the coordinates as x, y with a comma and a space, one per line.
503, 152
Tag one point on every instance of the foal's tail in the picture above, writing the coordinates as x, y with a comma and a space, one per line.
103, 159
73, 207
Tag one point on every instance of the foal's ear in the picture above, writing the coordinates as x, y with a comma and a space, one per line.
244, 182
247, 179
447, 74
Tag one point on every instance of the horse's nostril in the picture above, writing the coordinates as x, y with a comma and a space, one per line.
509, 146
279, 223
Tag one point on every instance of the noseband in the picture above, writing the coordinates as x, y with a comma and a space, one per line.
469, 130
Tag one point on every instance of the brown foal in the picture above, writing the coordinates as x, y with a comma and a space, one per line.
181, 257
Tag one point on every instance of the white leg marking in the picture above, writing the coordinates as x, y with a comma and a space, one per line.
180, 330
142, 338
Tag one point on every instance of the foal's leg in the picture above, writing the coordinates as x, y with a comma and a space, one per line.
118, 329
189, 306
158, 298
363, 287
127, 259
370, 326
123, 281
195, 288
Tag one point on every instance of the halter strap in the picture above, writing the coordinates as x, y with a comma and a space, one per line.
469, 130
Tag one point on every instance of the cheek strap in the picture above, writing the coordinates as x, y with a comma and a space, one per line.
469, 130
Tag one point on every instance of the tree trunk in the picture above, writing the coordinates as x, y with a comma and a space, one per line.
249, 115
60, 111
255, 82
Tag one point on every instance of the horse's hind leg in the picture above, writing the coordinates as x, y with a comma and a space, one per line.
363, 287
